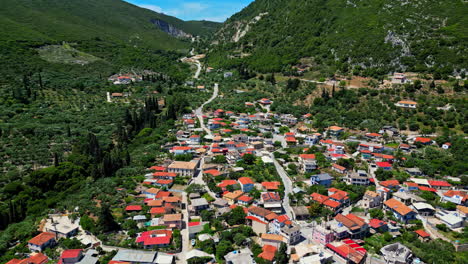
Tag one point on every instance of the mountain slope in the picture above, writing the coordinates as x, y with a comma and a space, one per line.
370, 37
76, 20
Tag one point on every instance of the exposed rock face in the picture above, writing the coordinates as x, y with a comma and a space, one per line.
170, 29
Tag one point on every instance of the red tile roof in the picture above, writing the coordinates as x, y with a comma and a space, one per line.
307, 156
71, 253
428, 189
336, 166
158, 211
226, 183
42, 238
439, 183
158, 168
245, 180
422, 233
271, 185
253, 218
133, 208
422, 140
383, 164
332, 204
268, 252
390, 183
398, 206
376, 223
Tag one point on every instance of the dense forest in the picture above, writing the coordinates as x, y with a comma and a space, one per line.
371, 38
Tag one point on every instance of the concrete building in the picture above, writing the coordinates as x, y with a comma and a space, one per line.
397, 254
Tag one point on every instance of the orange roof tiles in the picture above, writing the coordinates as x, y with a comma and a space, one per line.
42, 238
398, 206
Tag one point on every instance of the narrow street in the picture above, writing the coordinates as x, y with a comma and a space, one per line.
287, 187
184, 232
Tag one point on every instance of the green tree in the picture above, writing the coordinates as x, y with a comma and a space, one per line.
281, 256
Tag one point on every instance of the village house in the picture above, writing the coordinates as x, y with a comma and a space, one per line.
357, 178
246, 184
371, 200
322, 179
273, 240
307, 163
231, 197
261, 213
62, 226
339, 196
258, 226
271, 201
423, 209
335, 131
154, 239
406, 104
378, 226
450, 219
339, 168
398, 78
462, 211
245, 200
422, 235
42, 241
292, 233
323, 234
173, 221
457, 197
183, 168
198, 205
423, 140
271, 186
35, 258
356, 226
401, 211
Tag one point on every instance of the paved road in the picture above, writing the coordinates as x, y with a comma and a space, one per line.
199, 68
199, 111
287, 186
184, 232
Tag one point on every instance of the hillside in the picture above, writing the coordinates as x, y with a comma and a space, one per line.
366, 37
78, 20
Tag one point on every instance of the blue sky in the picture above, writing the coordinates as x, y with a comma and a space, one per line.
213, 10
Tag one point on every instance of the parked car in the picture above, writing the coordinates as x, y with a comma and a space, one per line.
193, 242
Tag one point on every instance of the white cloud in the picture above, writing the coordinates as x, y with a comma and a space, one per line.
155, 8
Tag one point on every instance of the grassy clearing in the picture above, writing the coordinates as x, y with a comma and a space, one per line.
65, 54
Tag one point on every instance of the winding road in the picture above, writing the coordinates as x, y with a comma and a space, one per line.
199, 111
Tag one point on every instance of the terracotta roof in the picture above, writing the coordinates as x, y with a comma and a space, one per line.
439, 183
183, 165
351, 221
164, 174
307, 156
226, 183
373, 135
133, 208
398, 206
319, 197
259, 211
245, 199
390, 183
339, 167
233, 195
335, 128
271, 185
376, 223
42, 238
340, 195
158, 210
271, 196
422, 233
37, 258
407, 102
332, 204
157, 168
71, 253
371, 194
428, 189
253, 218
383, 164
462, 209
171, 199
422, 140
172, 217
268, 252
273, 237
245, 180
